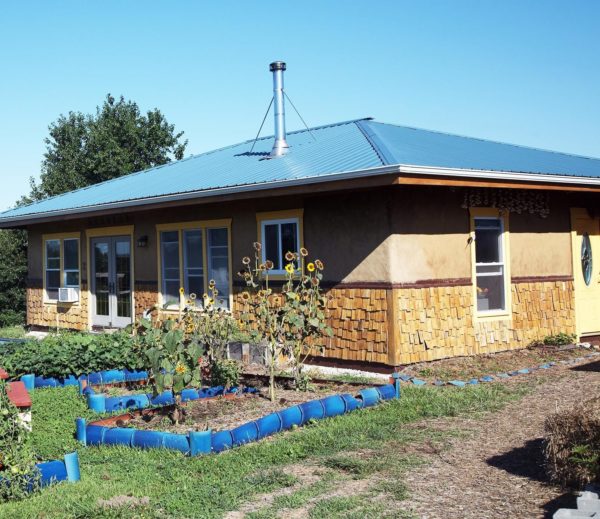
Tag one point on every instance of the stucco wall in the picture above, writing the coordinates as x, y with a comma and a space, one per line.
376, 241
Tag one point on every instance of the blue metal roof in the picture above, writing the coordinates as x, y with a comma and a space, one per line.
334, 149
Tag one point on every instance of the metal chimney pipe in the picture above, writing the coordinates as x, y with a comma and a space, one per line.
280, 146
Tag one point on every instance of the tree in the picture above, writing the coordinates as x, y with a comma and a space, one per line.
81, 150
84, 149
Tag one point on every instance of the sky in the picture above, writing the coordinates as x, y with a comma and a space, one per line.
524, 72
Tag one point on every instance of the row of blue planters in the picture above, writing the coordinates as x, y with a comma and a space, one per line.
101, 403
111, 376
51, 472
205, 442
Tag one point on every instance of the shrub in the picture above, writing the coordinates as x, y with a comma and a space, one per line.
573, 444
225, 373
172, 360
70, 353
560, 339
17, 463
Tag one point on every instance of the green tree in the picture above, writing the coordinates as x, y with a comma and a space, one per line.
81, 150
84, 149
13, 276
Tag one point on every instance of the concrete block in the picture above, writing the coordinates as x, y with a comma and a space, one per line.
567, 513
588, 505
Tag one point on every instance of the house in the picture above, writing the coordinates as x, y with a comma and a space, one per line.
434, 245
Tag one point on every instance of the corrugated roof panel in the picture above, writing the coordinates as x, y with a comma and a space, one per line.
339, 148
404, 145
334, 149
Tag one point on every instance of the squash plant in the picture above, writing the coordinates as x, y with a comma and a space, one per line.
172, 360
18, 473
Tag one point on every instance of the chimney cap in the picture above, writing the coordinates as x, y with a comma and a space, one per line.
277, 65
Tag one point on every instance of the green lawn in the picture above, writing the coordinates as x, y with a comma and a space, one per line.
12, 332
367, 445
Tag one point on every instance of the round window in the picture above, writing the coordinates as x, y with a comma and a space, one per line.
586, 258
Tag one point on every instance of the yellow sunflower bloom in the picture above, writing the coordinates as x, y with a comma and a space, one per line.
289, 268
310, 267
181, 290
180, 369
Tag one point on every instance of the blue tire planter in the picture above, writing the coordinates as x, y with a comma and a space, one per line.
334, 405
147, 439
312, 410
221, 441
118, 436
370, 396
268, 425
387, 392
244, 433
290, 416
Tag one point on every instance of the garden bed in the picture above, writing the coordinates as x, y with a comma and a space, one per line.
228, 413
464, 368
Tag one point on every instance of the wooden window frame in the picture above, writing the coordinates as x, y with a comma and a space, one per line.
492, 213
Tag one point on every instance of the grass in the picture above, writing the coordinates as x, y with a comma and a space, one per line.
208, 487
12, 332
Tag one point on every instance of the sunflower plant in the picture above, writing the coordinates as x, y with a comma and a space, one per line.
293, 321
213, 328
173, 360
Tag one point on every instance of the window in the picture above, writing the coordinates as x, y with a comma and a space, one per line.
490, 268
279, 237
61, 265
184, 250
169, 245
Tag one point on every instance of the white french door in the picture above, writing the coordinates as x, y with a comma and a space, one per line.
111, 281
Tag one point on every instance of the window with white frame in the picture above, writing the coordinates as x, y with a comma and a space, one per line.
183, 267
279, 237
61, 265
490, 267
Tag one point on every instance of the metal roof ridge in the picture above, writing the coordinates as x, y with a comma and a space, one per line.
545, 150
380, 149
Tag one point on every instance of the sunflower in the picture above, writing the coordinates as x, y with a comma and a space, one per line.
193, 296
262, 267
180, 369
310, 267
314, 281
257, 246
205, 296
269, 264
289, 256
319, 264
181, 290
289, 268
211, 283
246, 260
245, 296
303, 252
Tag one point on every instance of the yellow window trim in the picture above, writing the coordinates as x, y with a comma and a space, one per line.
490, 212
60, 236
280, 215
180, 227
122, 230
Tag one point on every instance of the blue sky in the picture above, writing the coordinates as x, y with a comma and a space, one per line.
516, 71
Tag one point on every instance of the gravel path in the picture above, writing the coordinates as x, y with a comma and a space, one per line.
496, 470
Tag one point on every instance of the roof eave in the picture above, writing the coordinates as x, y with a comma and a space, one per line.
409, 169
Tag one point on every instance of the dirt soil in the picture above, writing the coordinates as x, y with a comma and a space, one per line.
464, 368
497, 470
224, 413
492, 469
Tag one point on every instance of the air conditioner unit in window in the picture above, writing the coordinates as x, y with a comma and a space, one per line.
68, 295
